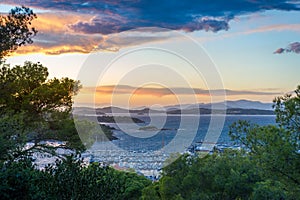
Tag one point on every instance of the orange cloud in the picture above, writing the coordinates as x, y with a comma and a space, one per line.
55, 36
136, 91
276, 27
262, 29
57, 22
56, 50
160, 91
125, 95
53, 44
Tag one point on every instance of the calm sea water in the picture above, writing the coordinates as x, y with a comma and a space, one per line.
180, 130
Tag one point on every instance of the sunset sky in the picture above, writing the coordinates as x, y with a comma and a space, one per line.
254, 46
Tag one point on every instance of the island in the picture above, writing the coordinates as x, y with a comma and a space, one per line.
154, 128
118, 119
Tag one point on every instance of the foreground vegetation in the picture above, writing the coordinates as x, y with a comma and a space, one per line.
267, 169
68, 179
34, 109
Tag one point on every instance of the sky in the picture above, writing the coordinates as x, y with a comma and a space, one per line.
144, 53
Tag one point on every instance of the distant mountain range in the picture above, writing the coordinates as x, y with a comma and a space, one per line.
240, 107
242, 104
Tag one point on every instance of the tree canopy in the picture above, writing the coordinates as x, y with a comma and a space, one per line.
26, 88
69, 178
16, 30
34, 108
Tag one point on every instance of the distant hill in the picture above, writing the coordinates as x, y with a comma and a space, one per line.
241, 107
83, 110
112, 109
242, 104
123, 110
119, 119
229, 111
246, 104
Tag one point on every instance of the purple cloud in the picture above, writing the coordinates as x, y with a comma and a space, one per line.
279, 51
293, 47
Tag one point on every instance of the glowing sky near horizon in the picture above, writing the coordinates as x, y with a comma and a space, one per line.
240, 39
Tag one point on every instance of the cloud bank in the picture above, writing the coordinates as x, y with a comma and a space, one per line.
94, 19
117, 16
160, 92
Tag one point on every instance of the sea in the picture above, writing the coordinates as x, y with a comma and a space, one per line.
181, 131
146, 146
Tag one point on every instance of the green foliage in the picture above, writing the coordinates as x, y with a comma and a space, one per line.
90, 132
227, 176
68, 179
269, 190
275, 149
8, 128
287, 109
26, 88
16, 30
271, 149
17, 83
151, 192
34, 109
65, 130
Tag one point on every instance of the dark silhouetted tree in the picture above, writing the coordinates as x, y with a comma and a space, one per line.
16, 30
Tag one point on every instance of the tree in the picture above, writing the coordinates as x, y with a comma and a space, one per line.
26, 88
151, 192
11, 141
42, 108
275, 149
16, 30
69, 178
228, 175
287, 109
269, 189
32, 108
17, 180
